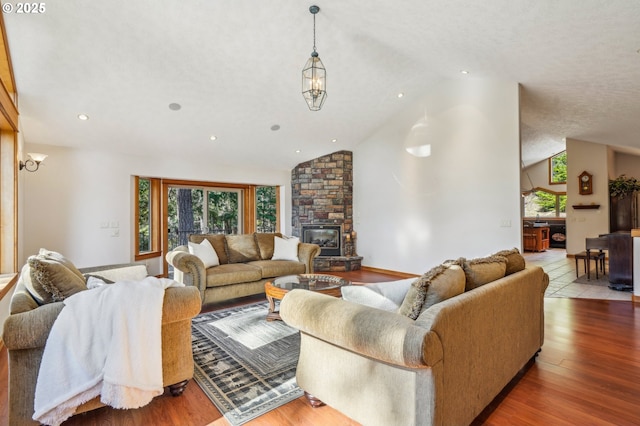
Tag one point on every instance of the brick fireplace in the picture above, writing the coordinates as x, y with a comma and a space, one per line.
322, 196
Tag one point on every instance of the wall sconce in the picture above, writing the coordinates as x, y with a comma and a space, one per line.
33, 162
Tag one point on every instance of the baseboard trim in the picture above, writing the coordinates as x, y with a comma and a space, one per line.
388, 272
635, 299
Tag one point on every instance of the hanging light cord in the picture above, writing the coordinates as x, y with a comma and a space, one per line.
314, 32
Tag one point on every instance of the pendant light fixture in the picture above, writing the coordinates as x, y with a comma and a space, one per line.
314, 76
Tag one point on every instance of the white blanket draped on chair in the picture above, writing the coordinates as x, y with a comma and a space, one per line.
106, 341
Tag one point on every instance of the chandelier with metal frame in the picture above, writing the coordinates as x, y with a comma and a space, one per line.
314, 75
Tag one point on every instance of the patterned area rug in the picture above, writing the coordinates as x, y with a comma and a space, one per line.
244, 364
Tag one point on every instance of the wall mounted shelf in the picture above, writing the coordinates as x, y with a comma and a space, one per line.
586, 206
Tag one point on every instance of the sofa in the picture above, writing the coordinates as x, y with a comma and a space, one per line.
33, 312
240, 264
438, 355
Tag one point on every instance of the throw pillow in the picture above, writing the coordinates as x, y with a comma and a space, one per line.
387, 296
440, 283
218, 241
52, 279
515, 261
483, 270
95, 281
205, 252
242, 248
54, 255
265, 241
37, 292
285, 248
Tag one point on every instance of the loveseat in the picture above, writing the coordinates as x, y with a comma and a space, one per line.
474, 330
241, 263
32, 314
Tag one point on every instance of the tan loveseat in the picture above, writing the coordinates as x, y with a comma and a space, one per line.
29, 323
245, 265
383, 368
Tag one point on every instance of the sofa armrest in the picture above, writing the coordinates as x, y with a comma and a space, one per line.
306, 253
385, 336
189, 269
180, 303
30, 329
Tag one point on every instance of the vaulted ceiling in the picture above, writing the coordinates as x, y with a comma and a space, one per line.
234, 66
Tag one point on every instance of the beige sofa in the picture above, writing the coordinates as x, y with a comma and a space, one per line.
381, 368
246, 263
29, 323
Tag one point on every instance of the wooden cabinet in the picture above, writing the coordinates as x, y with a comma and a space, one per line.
536, 238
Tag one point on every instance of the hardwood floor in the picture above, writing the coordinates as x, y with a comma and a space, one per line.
588, 373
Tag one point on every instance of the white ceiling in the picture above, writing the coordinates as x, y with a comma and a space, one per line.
235, 67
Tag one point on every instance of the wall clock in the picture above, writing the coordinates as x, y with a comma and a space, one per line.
586, 183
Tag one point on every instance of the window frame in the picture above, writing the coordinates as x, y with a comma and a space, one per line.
159, 191
551, 168
154, 216
557, 194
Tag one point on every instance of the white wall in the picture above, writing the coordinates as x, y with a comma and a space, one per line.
75, 191
412, 213
593, 158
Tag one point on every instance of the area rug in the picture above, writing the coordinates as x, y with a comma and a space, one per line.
602, 280
243, 363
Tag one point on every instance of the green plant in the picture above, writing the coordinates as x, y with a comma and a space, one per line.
623, 186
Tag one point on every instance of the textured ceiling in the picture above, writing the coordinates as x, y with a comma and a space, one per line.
235, 67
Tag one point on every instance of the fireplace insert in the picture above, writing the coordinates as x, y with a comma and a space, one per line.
328, 237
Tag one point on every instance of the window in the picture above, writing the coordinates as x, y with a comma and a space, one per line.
558, 168
202, 210
147, 218
541, 203
267, 209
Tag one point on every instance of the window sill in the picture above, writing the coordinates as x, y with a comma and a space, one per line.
7, 281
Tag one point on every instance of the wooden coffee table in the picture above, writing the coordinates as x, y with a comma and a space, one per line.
320, 283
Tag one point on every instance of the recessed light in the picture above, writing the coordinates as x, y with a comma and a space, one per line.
400, 95
213, 137
298, 151
174, 106
464, 72
334, 140
275, 127
83, 117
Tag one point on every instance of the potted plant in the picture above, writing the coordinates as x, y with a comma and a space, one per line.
622, 186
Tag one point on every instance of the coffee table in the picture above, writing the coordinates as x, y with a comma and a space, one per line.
320, 283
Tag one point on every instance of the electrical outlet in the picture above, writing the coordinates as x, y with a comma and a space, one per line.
115, 233
505, 223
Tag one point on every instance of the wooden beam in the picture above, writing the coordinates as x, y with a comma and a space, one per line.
8, 94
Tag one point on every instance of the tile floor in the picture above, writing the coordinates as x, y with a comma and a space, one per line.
562, 273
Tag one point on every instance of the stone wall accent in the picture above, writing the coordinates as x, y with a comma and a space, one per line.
322, 192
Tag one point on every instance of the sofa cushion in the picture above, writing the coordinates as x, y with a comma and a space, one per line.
265, 243
277, 268
286, 248
242, 248
218, 241
515, 261
205, 252
483, 270
438, 284
387, 296
232, 273
51, 278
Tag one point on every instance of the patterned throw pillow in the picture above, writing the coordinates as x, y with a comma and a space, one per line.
53, 278
438, 284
